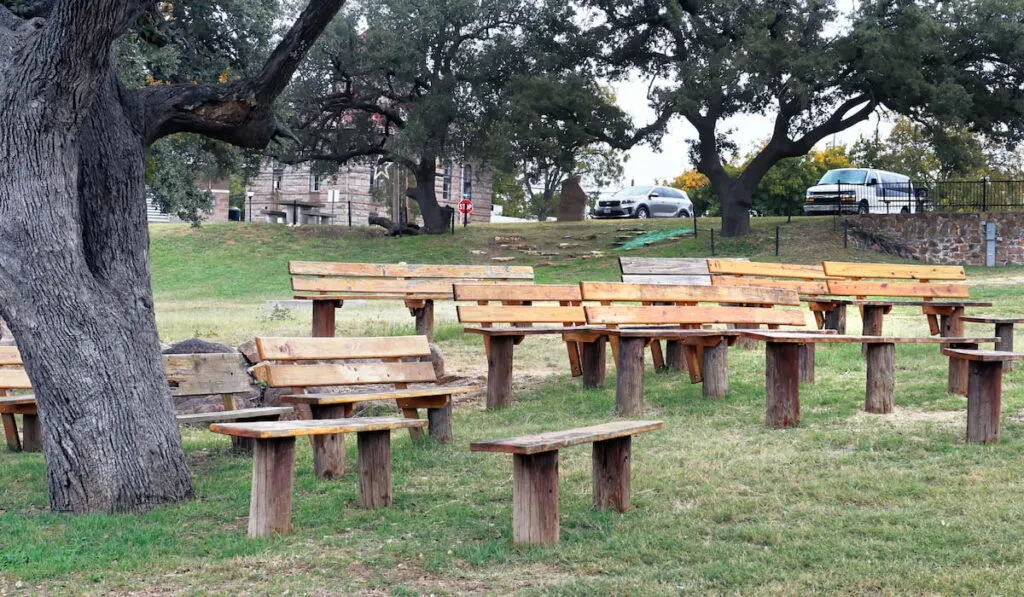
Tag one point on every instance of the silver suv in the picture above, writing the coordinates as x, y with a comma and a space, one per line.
645, 202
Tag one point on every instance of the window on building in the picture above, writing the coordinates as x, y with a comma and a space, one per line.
373, 175
314, 183
446, 193
278, 177
467, 182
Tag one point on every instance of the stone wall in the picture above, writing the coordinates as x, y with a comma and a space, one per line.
950, 239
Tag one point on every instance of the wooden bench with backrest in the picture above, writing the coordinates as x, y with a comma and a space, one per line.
535, 473
187, 375
522, 316
806, 280
396, 361
270, 505
704, 350
678, 271
330, 284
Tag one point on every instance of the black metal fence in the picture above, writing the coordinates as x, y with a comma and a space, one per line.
913, 197
975, 195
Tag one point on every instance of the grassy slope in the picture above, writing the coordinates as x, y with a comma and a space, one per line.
847, 503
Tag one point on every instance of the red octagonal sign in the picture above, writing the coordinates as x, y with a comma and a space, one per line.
465, 206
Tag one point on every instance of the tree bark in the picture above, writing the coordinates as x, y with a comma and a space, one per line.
735, 199
436, 219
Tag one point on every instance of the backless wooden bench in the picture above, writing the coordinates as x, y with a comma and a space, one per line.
270, 507
984, 390
535, 473
1003, 330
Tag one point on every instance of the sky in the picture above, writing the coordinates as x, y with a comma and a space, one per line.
644, 165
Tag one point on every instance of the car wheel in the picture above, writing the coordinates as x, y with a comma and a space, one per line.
683, 214
905, 210
863, 208
642, 213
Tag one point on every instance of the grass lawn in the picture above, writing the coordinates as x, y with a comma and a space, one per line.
848, 503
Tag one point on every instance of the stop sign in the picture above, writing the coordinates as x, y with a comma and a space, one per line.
465, 206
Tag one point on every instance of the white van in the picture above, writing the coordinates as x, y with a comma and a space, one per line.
861, 191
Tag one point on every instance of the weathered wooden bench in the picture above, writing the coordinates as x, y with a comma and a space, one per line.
270, 507
783, 361
1003, 330
535, 473
984, 390
329, 285
299, 363
704, 350
679, 271
518, 309
187, 375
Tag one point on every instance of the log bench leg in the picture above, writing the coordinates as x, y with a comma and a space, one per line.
611, 473
1004, 331
716, 370
807, 362
535, 497
782, 385
594, 366
629, 389
329, 449
880, 384
11, 433
836, 319
873, 315
374, 468
440, 422
425, 319
31, 433
952, 326
270, 505
958, 376
323, 318
675, 360
984, 401
499, 372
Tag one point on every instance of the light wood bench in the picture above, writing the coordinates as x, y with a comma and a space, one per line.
517, 309
299, 363
187, 375
984, 390
782, 364
270, 507
704, 349
1003, 330
329, 285
535, 473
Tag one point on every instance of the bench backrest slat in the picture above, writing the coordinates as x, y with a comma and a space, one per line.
14, 379
801, 287
766, 270
556, 440
684, 271
372, 286
299, 349
894, 271
290, 375
518, 292
618, 291
897, 289
10, 355
520, 314
670, 315
383, 270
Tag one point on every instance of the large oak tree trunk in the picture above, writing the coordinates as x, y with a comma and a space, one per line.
436, 219
735, 198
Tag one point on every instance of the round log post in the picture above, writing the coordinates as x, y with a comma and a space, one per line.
323, 318
629, 390
782, 385
873, 315
675, 360
328, 449
440, 422
425, 320
11, 432
878, 396
836, 319
499, 372
957, 381
716, 370
807, 362
594, 365
31, 433
611, 473
270, 503
535, 498
374, 468
984, 401
1004, 331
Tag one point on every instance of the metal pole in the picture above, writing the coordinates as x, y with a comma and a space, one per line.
984, 194
694, 223
453, 222
776, 240
846, 235
789, 214
712, 242
349, 213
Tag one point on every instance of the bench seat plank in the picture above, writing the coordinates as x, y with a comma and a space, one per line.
530, 331
626, 315
556, 440
991, 319
517, 292
903, 303
986, 356
235, 415
280, 429
801, 338
325, 399
892, 271
327, 349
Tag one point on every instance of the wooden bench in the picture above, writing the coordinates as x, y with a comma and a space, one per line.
1003, 330
270, 506
535, 473
984, 390
704, 349
518, 309
297, 363
806, 280
187, 375
329, 285
783, 361
679, 271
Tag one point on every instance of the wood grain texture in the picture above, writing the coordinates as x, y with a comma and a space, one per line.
611, 473
324, 318
984, 401
14, 379
517, 292
499, 371
31, 433
520, 314
594, 362
988, 356
439, 391
767, 270
199, 374
1004, 331
300, 376
618, 291
662, 266
649, 315
680, 280
556, 440
880, 380
981, 319
629, 382
716, 371
270, 504
241, 414
893, 271
276, 429
800, 338
328, 449
374, 469
11, 432
897, 289
801, 287
324, 268
807, 363
300, 349
10, 355
440, 422
782, 385
356, 287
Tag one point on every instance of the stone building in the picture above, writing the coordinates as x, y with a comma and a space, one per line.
293, 194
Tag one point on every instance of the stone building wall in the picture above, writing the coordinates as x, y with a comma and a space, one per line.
950, 239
